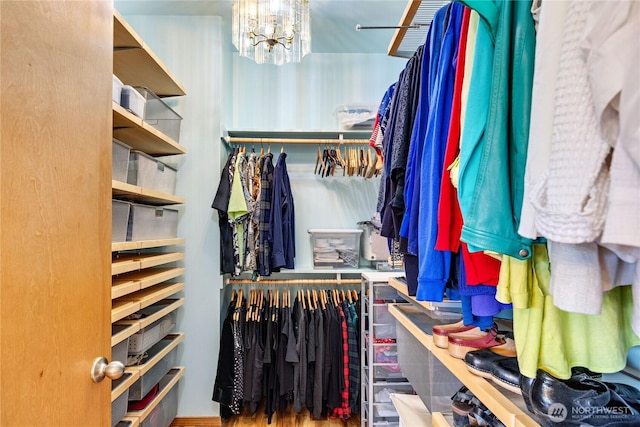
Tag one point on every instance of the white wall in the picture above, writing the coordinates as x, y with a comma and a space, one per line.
224, 90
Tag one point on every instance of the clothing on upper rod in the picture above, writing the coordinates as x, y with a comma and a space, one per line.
256, 213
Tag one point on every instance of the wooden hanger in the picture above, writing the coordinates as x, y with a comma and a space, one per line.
355, 295
318, 161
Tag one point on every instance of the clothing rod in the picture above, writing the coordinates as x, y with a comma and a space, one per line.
294, 282
275, 141
388, 27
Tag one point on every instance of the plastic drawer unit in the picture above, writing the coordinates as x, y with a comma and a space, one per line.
151, 222
148, 172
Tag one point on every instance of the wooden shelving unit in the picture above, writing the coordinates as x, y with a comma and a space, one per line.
508, 407
142, 275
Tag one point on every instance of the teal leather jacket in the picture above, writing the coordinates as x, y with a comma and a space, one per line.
493, 214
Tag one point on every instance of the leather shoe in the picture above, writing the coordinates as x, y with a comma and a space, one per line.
441, 332
461, 343
506, 373
481, 362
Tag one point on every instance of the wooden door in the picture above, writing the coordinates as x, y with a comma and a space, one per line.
55, 216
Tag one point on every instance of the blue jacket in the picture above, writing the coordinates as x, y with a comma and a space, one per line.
434, 265
491, 213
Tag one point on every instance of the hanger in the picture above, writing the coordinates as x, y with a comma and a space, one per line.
355, 295
367, 162
318, 161
349, 297
281, 149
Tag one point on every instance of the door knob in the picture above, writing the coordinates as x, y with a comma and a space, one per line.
101, 369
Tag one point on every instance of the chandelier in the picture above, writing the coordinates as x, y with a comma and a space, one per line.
272, 31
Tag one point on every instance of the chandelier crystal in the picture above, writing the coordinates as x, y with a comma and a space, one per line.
272, 31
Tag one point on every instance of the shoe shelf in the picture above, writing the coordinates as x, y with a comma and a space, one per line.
446, 306
438, 419
146, 244
507, 406
127, 262
128, 422
412, 410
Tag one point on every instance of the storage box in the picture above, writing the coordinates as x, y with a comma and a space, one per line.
119, 407
335, 248
120, 351
356, 116
148, 172
119, 160
385, 293
145, 383
132, 100
159, 115
166, 410
119, 220
117, 89
152, 223
432, 381
147, 337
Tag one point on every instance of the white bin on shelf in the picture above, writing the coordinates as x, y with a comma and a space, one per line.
148, 172
147, 337
117, 89
335, 248
132, 100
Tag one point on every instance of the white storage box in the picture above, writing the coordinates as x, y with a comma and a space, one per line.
335, 248
145, 338
356, 116
159, 115
119, 220
117, 89
132, 100
145, 383
119, 160
145, 171
152, 223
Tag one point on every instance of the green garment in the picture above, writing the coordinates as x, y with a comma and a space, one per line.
237, 209
555, 340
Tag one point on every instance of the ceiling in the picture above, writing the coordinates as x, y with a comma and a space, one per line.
333, 22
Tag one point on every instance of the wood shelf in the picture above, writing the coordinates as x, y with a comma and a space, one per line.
126, 331
445, 306
171, 305
136, 64
132, 376
175, 373
133, 421
135, 132
438, 420
133, 193
508, 407
121, 309
146, 244
154, 294
126, 262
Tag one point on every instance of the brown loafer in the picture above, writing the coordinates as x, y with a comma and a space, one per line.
441, 332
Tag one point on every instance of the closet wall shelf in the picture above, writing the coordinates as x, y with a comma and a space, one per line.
135, 132
445, 307
125, 332
136, 64
133, 193
150, 296
132, 421
438, 420
146, 244
508, 407
149, 276
172, 304
126, 262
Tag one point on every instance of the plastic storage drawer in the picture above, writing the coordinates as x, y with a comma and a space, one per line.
119, 220
119, 160
145, 338
159, 115
151, 223
335, 248
384, 331
145, 171
145, 383
166, 410
119, 408
132, 100
382, 315
386, 293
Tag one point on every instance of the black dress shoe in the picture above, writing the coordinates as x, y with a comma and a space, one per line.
481, 362
526, 383
506, 374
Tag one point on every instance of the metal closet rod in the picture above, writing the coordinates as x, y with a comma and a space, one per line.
294, 282
275, 141
389, 27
